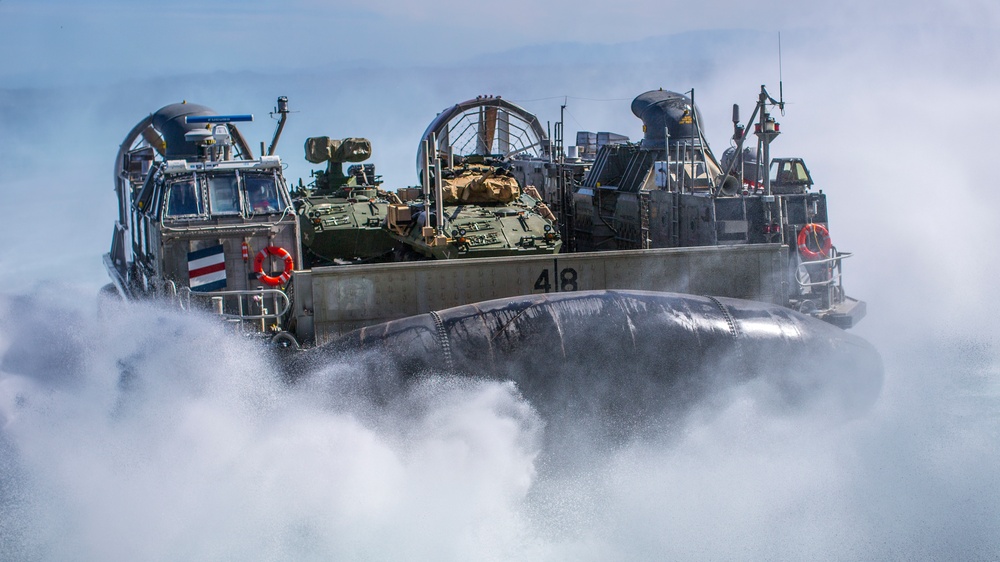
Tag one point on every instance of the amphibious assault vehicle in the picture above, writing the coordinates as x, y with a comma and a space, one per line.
486, 213
343, 215
466, 181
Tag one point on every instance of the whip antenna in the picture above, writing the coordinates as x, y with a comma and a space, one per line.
781, 85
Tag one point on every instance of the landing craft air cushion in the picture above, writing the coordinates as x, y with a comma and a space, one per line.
202, 221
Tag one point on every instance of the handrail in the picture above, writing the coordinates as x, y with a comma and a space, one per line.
832, 287
185, 294
836, 258
834, 277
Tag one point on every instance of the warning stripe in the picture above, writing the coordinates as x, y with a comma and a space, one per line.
221, 266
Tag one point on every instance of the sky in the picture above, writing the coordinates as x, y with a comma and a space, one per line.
67, 41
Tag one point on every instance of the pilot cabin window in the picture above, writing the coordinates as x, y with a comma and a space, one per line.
182, 199
788, 172
801, 175
262, 194
224, 194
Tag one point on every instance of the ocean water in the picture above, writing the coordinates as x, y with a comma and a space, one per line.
133, 432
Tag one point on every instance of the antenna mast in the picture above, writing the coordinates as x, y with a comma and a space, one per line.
781, 85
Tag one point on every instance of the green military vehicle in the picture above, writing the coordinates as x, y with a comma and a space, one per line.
486, 214
466, 178
342, 215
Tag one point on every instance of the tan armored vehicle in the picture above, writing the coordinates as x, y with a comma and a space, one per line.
466, 180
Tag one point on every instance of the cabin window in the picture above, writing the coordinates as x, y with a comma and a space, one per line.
262, 194
790, 172
224, 194
182, 199
801, 175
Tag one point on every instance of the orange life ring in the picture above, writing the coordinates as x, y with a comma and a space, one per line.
277, 251
821, 239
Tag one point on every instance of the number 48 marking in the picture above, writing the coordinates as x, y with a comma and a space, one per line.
567, 280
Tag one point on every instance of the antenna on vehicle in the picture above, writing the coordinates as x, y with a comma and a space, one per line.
781, 86
282, 112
